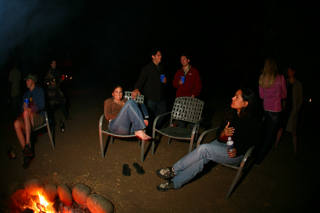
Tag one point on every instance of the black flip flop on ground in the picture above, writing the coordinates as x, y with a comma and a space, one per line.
139, 168
126, 171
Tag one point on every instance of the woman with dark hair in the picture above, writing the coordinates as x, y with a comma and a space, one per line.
241, 122
124, 115
272, 89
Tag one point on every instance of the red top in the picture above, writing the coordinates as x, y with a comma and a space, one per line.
192, 84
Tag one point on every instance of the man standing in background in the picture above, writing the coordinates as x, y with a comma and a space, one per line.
150, 81
192, 84
14, 90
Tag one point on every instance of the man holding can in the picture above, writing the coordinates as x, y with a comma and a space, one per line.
152, 80
33, 105
187, 81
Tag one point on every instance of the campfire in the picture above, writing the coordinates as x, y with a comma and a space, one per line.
40, 205
37, 198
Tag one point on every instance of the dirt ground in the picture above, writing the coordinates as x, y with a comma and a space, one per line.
280, 184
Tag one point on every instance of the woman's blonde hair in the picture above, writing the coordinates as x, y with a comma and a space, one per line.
269, 73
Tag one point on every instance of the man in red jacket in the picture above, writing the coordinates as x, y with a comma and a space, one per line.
192, 84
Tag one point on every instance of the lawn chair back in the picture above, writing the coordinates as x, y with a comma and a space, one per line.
139, 99
187, 109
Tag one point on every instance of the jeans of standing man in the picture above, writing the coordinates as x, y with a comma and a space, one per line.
62, 105
271, 125
129, 119
183, 124
193, 163
156, 108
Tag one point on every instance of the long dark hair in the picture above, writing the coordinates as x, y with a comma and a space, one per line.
250, 110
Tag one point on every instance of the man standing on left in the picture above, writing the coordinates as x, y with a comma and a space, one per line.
150, 81
32, 116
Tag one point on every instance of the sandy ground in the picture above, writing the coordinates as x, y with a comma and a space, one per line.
280, 184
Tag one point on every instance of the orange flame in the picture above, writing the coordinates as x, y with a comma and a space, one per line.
42, 206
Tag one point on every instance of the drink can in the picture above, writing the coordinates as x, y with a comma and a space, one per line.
183, 79
26, 101
229, 146
162, 77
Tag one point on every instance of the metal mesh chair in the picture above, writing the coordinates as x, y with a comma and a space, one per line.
184, 109
241, 166
48, 127
127, 95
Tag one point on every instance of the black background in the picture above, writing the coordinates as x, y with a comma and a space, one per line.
103, 43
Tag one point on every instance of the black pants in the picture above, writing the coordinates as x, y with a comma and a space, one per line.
62, 105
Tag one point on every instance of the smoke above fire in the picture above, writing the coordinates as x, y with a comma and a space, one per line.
26, 26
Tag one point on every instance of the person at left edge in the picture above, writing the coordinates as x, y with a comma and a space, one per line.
32, 117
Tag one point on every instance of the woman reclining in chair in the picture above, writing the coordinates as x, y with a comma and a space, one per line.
124, 115
241, 122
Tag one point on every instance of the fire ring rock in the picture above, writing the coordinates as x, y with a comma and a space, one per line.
33, 186
80, 192
65, 194
97, 203
50, 192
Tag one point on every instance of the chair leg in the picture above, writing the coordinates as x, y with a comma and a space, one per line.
112, 139
190, 146
101, 144
235, 181
50, 135
169, 141
142, 150
153, 140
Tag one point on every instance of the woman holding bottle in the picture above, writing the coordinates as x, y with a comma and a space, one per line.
241, 122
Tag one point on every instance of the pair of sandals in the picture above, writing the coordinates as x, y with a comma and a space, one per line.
126, 171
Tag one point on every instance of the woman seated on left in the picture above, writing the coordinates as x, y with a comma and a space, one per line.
125, 116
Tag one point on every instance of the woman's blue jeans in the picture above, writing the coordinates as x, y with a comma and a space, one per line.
193, 163
129, 119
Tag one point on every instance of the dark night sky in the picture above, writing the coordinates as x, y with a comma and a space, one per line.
107, 40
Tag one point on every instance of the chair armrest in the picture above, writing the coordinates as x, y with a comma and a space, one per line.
155, 120
204, 133
248, 153
101, 121
196, 125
